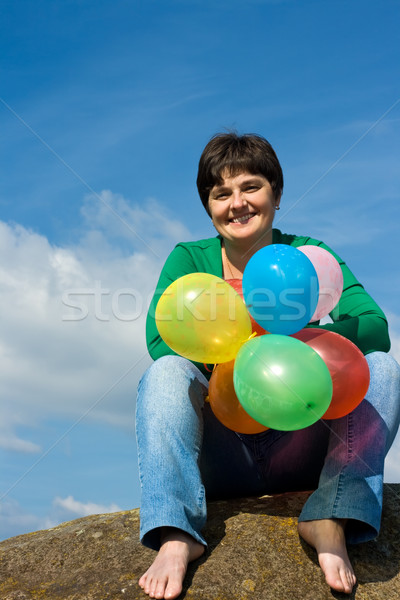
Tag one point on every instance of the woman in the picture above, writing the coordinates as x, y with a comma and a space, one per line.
185, 453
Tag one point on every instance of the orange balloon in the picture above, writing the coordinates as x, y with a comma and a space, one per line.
237, 286
347, 365
225, 404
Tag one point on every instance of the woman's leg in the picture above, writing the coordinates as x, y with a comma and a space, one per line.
351, 481
169, 429
344, 459
170, 419
348, 502
169, 433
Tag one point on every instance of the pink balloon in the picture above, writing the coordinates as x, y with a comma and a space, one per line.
330, 279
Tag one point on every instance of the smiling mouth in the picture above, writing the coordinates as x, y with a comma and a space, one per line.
243, 219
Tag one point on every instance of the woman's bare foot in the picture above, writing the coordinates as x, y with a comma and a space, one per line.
165, 576
327, 537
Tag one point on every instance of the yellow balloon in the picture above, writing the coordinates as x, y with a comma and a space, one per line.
202, 318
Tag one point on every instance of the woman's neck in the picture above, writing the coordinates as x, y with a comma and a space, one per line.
236, 256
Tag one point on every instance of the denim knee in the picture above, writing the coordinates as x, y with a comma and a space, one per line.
385, 363
170, 373
384, 390
170, 389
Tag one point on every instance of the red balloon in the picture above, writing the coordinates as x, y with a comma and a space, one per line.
237, 286
347, 365
225, 404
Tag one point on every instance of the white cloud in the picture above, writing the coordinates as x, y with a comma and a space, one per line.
14, 520
12, 442
395, 349
83, 509
394, 329
148, 226
54, 362
392, 463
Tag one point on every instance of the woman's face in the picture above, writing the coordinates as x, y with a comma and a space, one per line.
242, 209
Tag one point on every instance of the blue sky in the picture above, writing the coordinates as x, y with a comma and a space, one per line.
105, 108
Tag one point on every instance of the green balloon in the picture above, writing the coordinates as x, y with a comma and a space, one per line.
281, 382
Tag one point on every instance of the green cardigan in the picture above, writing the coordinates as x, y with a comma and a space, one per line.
356, 316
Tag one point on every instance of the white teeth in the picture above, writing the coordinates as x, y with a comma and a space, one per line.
242, 219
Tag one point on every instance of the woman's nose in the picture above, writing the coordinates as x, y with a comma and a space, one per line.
238, 199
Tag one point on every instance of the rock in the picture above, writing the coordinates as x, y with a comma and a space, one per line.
254, 554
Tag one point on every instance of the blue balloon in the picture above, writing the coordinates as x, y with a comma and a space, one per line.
280, 288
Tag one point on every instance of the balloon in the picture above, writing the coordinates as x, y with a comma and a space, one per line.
347, 365
202, 318
330, 279
280, 288
281, 382
237, 286
225, 404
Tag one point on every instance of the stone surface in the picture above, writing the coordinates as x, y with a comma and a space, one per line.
254, 553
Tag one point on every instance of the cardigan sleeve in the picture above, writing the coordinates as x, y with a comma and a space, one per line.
356, 316
180, 262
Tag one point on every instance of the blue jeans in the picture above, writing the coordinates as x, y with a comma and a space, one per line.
185, 453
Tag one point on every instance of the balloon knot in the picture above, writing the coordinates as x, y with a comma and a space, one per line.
254, 334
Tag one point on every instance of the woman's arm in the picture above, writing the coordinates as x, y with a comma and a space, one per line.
181, 261
178, 263
356, 316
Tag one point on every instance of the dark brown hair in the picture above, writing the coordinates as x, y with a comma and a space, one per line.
232, 153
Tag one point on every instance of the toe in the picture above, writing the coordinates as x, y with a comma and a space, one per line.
173, 589
341, 581
336, 583
335, 578
159, 590
149, 586
351, 581
347, 586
